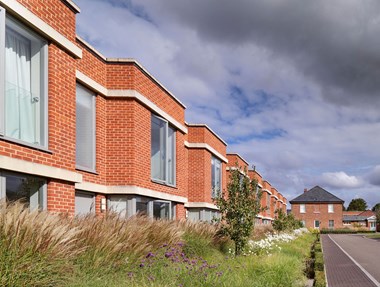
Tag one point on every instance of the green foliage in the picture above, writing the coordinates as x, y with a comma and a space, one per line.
357, 204
376, 207
319, 263
345, 231
239, 208
320, 280
284, 222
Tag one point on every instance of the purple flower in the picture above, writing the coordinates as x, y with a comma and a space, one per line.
168, 254
142, 265
150, 254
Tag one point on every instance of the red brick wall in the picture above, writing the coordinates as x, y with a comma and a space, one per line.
201, 134
56, 14
61, 197
233, 159
323, 216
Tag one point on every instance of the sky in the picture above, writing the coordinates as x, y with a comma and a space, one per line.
292, 86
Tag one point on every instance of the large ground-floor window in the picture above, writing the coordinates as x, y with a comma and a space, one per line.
129, 205
27, 189
84, 203
203, 214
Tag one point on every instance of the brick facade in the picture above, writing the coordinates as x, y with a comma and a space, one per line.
126, 97
319, 211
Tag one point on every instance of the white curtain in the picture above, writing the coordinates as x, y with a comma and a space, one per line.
19, 109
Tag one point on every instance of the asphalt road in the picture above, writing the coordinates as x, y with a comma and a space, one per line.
351, 260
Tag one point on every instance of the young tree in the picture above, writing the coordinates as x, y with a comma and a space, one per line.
239, 207
357, 204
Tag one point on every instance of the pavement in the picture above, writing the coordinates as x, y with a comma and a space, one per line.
351, 260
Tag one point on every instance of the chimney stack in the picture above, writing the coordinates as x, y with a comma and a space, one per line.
305, 190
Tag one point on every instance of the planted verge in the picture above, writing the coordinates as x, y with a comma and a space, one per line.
42, 249
345, 231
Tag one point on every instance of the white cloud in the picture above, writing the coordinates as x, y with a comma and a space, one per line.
340, 180
199, 58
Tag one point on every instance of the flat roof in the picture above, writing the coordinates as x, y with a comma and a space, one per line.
207, 127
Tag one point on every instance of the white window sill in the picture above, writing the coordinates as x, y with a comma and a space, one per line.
163, 183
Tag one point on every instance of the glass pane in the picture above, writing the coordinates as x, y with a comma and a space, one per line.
84, 203
213, 177
158, 149
142, 206
171, 156
194, 215
161, 210
119, 204
85, 123
26, 189
19, 110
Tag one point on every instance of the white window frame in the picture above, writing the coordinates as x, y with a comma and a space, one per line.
41, 193
319, 224
42, 122
93, 103
214, 161
330, 208
302, 208
333, 224
166, 180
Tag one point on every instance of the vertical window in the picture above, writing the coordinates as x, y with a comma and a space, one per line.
316, 223
303, 222
268, 204
331, 224
216, 177
162, 151
27, 189
84, 203
302, 208
23, 96
142, 206
118, 204
85, 128
161, 210
331, 208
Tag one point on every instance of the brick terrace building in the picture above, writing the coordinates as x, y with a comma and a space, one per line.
317, 208
82, 133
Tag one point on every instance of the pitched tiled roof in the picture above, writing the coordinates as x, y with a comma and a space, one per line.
317, 194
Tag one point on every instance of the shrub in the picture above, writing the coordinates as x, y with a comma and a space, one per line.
319, 263
320, 280
284, 222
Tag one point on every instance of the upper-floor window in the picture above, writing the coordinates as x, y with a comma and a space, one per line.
302, 208
85, 128
216, 177
23, 92
331, 208
163, 151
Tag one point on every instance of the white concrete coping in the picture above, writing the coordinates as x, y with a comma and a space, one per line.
73, 6
22, 166
207, 127
92, 84
275, 196
133, 61
266, 190
17, 9
207, 147
239, 156
201, 205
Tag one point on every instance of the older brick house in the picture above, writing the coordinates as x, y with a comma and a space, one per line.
318, 208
